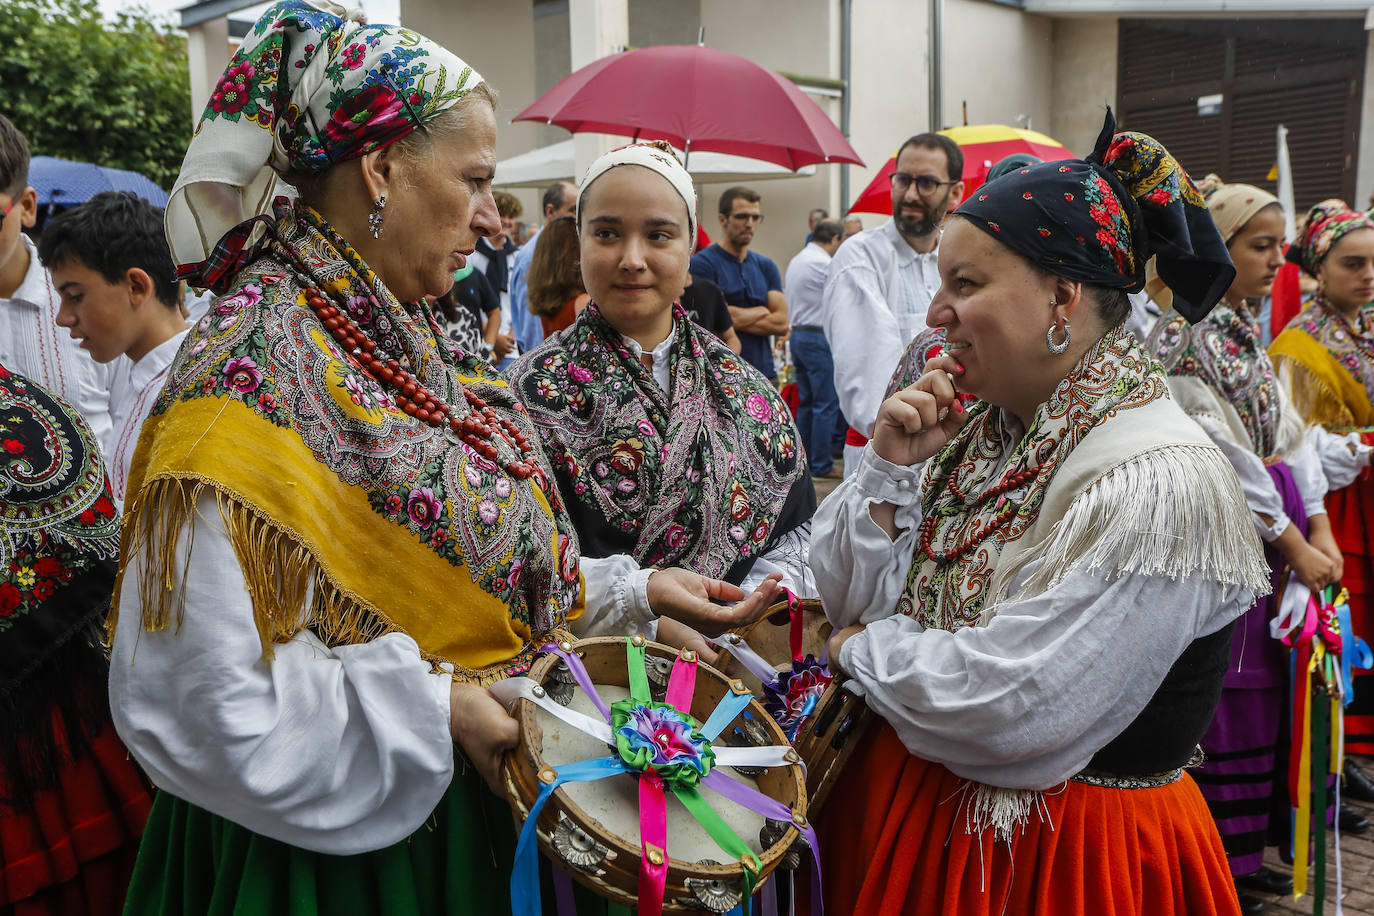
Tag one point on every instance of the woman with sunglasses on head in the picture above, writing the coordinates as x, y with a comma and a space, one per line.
665, 444
1036, 593
341, 530
1326, 354
1221, 375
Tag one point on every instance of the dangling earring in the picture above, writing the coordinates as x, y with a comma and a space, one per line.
1057, 348
374, 219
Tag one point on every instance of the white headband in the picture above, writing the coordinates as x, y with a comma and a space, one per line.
659, 158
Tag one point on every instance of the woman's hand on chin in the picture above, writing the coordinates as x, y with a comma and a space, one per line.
687, 597
484, 730
917, 421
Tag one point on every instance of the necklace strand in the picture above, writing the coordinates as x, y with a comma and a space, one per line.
478, 427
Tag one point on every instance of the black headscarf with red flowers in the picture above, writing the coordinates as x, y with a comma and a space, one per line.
59, 536
1100, 219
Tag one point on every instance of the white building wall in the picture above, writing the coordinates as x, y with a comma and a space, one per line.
1364, 171
997, 59
804, 40
1083, 72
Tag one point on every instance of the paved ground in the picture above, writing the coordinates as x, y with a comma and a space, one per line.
1357, 862
1357, 852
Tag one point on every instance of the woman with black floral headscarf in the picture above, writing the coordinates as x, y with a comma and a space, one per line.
1036, 592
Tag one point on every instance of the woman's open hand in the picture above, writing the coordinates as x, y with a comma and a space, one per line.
917, 421
687, 597
484, 730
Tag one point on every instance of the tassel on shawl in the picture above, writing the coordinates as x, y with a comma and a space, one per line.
1175, 511
1003, 811
1314, 398
289, 590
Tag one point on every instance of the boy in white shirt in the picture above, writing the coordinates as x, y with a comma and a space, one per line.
111, 266
30, 343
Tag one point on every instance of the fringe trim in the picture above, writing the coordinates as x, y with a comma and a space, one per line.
289, 589
1006, 812
1314, 399
1174, 511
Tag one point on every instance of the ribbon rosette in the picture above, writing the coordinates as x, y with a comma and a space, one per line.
663, 747
791, 695
658, 738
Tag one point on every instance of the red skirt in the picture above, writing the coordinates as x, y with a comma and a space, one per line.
1352, 522
893, 841
74, 849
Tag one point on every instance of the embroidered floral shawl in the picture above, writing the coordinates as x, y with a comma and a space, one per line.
1329, 365
329, 491
708, 477
1224, 351
59, 534
1115, 375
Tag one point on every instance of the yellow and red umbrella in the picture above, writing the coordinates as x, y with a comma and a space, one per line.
983, 145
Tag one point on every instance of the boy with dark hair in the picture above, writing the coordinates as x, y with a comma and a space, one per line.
30, 341
111, 266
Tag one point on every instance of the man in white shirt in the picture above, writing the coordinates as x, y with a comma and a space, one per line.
882, 280
111, 266
819, 411
30, 342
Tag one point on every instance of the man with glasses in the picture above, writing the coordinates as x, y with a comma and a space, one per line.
881, 282
31, 343
750, 281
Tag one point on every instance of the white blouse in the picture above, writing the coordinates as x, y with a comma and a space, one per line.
1025, 701
337, 750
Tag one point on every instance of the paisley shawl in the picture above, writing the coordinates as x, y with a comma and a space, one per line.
709, 477
336, 501
1114, 375
1224, 351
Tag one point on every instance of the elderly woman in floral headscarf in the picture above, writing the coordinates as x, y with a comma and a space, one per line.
1037, 592
1327, 355
340, 529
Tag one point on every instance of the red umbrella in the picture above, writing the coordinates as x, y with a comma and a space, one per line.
983, 145
696, 98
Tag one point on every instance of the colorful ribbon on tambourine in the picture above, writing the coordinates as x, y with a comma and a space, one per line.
789, 696
1324, 652
663, 746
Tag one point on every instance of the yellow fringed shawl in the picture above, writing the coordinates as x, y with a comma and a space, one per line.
347, 516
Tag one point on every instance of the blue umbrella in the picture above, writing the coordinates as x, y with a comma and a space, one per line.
61, 183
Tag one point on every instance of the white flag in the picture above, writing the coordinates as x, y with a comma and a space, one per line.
1285, 189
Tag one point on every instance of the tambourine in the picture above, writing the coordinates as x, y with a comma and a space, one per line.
630, 775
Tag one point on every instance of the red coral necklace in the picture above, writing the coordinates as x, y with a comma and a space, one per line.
981, 533
478, 428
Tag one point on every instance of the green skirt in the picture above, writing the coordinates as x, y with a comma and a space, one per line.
457, 864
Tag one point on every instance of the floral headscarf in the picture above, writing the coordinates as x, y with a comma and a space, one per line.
1100, 220
1327, 223
307, 89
